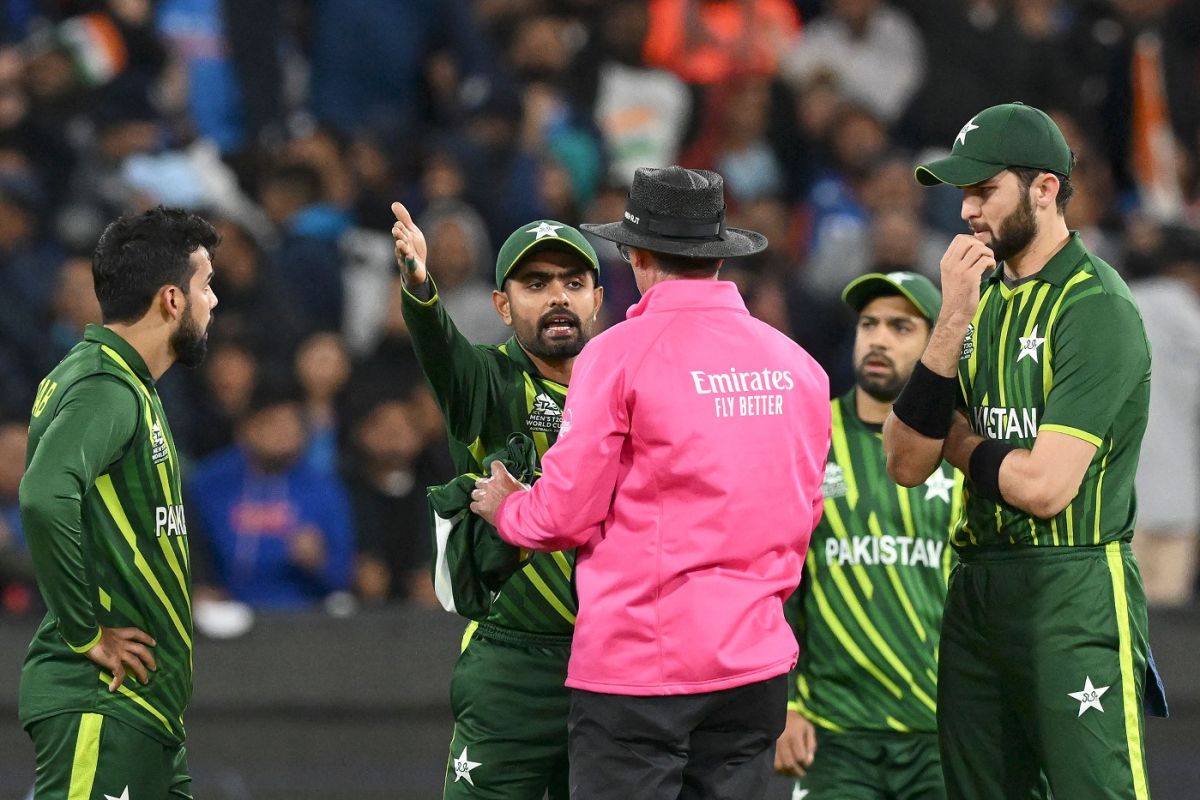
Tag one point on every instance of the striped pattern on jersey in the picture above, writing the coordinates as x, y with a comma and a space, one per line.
136, 537
1007, 375
870, 602
539, 597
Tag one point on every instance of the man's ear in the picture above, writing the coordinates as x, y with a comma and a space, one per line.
1046, 190
172, 301
503, 307
598, 293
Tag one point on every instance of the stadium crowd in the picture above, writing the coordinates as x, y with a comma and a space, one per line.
309, 433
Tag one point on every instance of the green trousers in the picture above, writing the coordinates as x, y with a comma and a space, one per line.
869, 765
510, 717
1042, 675
93, 757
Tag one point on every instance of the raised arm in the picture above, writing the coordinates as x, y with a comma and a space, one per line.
914, 433
455, 368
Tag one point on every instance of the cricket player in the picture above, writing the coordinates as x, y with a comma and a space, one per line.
109, 673
510, 705
862, 715
1035, 383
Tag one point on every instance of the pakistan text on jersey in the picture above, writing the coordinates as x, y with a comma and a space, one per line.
1005, 423
887, 550
169, 521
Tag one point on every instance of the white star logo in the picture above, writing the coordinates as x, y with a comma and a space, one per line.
543, 229
1089, 697
463, 766
939, 486
962, 134
799, 794
900, 277
1030, 345
124, 795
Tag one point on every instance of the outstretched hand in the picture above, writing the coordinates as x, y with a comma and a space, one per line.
119, 648
411, 250
490, 492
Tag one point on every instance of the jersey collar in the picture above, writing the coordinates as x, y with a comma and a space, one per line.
1061, 265
109, 338
684, 294
512, 348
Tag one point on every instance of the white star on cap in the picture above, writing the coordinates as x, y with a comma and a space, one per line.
124, 795
1089, 697
543, 229
962, 134
900, 277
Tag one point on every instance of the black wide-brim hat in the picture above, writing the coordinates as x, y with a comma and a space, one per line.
681, 212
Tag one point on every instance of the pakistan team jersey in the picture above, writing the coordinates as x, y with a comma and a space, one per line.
869, 607
1064, 351
101, 506
487, 393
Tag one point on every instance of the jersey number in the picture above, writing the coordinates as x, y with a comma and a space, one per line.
45, 391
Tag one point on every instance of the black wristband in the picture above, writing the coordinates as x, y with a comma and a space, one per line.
984, 466
927, 402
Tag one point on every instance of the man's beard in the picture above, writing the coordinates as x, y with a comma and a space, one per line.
1016, 232
537, 343
884, 388
189, 342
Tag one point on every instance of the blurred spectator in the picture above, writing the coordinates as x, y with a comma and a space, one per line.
460, 251
642, 112
257, 306
709, 41
377, 81
18, 587
390, 359
387, 492
228, 376
196, 31
73, 306
28, 257
857, 139
733, 140
1168, 476
280, 534
308, 257
322, 369
871, 48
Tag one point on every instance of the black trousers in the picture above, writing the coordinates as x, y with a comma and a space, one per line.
711, 746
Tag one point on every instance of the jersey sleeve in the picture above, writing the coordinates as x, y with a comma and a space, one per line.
457, 370
92, 427
793, 611
1098, 355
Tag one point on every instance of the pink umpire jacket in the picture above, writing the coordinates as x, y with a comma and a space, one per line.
688, 473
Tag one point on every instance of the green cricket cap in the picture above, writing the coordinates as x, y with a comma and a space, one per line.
542, 234
916, 288
1009, 135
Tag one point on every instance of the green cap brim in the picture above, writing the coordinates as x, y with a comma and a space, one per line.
866, 288
956, 171
549, 243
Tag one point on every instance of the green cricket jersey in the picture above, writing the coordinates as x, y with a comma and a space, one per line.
869, 608
101, 506
1063, 351
487, 393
